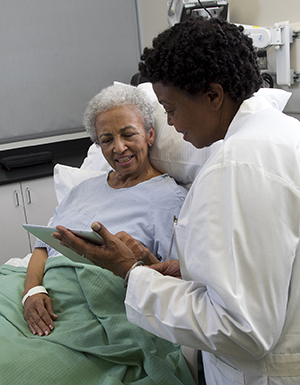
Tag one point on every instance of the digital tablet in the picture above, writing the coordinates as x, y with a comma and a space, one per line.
44, 233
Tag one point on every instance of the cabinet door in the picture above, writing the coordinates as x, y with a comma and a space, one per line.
40, 201
14, 240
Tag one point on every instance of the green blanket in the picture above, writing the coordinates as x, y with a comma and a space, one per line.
92, 343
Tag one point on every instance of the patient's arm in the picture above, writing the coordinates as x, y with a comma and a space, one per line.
38, 309
35, 270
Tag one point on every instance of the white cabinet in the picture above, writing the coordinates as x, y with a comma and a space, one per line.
14, 241
31, 202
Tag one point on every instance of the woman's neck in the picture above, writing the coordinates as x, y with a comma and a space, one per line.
118, 181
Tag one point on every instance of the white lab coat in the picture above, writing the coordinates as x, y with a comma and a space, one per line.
238, 242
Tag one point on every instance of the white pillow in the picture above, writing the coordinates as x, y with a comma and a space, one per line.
66, 177
95, 160
169, 153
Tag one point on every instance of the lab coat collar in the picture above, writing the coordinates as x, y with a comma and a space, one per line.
263, 99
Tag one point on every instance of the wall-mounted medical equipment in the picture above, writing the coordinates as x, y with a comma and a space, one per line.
180, 10
280, 36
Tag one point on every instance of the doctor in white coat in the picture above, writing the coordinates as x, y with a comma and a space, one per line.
235, 291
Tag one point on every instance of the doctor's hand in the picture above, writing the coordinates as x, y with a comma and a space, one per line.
139, 250
39, 314
168, 268
114, 255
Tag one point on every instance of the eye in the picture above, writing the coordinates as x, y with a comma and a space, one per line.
128, 135
171, 113
105, 141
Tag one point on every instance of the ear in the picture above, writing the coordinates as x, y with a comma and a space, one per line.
215, 96
151, 137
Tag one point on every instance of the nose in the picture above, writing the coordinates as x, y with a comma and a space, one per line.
119, 146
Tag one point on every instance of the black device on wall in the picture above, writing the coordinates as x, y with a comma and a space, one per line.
181, 10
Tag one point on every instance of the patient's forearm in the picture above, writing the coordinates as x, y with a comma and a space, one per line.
35, 269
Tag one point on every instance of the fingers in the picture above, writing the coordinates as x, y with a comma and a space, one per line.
69, 239
161, 268
139, 250
39, 314
49, 308
133, 244
76, 243
114, 255
171, 268
102, 230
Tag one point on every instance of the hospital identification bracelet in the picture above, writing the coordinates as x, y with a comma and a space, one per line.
138, 263
32, 291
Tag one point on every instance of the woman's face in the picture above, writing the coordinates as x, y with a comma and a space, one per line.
193, 117
123, 140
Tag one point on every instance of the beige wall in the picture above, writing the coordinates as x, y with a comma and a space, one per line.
264, 12
152, 19
153, 15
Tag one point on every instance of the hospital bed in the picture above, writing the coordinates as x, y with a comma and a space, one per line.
169, 154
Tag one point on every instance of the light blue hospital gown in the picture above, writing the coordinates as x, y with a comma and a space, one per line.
145, 211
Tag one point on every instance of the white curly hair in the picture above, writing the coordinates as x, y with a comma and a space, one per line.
115, 96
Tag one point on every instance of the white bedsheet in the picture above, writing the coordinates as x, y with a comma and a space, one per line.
19, 262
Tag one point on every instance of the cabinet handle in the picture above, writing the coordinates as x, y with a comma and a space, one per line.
16, 196
28, 195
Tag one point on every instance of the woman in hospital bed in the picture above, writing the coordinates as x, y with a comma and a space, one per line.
92, 338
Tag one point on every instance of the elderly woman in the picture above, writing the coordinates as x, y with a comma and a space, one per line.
133, 196
237, 234
92, 341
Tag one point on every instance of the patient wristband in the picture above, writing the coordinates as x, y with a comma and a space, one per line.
34, 290
138, 263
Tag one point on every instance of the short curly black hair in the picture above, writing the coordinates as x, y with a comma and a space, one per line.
200, 51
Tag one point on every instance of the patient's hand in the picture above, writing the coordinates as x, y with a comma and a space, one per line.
168, 268
39, 314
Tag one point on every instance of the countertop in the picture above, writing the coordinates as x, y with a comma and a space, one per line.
69, 152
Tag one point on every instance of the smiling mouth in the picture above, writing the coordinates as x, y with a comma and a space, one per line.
184, 133
124, 160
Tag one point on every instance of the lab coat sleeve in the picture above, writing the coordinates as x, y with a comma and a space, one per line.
237, 237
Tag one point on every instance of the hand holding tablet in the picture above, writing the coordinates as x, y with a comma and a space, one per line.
44, 233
